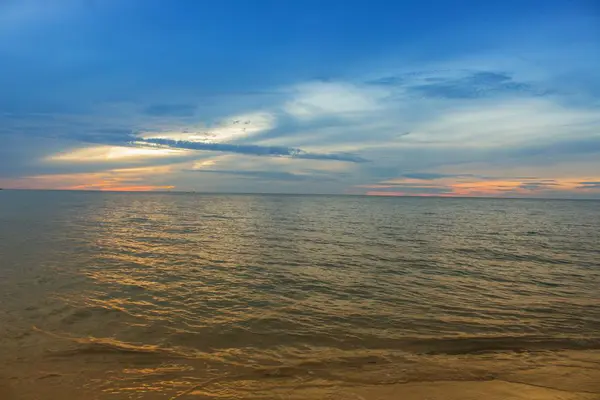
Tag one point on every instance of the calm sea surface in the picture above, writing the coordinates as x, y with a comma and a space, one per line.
158, 296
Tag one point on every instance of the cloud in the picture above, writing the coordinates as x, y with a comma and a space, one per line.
232, 128
114, 153
539, 185
409, 189
477, 185
589, 185
268, 175
432, 175
472, 86
506, 122
124, 179
352, 122
339, 99
257, 150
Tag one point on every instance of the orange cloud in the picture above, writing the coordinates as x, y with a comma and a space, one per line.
387, 193
479, 187
127, 179
117, 188
376, 193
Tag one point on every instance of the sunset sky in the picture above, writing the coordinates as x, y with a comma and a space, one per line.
433, 98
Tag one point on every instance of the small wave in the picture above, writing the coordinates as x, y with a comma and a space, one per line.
487, 253
107, 348
92, 345
477, 345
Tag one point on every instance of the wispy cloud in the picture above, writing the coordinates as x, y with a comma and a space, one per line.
340, 99
127, 179
432, 175
539, 185
268, 175
232, 128
473, 85
589, 185
474, 185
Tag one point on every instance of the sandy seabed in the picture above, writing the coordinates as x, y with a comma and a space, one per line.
566, 380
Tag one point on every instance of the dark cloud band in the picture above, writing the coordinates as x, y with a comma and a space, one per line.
250, 149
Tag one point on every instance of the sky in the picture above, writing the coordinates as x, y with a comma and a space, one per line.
423, 98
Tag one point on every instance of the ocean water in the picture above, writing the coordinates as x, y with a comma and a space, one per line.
165, 296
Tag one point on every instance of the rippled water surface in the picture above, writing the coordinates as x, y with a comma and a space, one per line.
158, 296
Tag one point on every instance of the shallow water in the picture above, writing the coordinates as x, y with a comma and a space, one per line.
111, 296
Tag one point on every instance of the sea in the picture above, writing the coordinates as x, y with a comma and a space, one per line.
202, 296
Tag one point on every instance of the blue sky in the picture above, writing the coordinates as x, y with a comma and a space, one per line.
452, 98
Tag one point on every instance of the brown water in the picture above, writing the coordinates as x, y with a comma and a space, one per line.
160, 296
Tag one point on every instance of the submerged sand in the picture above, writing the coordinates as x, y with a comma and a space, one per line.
492, 390
571, 375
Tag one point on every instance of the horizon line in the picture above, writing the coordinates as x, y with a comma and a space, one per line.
296, 194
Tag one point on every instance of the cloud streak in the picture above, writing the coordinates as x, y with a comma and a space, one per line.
267, 175
474, 85
589, 185
251, 149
